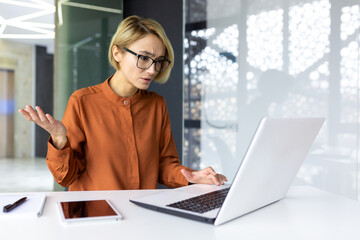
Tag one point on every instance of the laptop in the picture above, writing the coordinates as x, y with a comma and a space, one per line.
266, 172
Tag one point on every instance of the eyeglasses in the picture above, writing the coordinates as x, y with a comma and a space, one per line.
145, 62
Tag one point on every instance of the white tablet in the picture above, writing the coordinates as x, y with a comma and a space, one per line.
85, 210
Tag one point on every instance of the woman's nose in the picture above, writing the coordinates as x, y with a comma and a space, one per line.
151, 69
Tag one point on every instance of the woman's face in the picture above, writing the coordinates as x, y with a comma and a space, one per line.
150, 46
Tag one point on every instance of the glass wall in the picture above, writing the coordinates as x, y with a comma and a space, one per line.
83, 33
248, 59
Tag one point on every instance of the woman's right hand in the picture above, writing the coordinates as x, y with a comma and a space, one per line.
56, 128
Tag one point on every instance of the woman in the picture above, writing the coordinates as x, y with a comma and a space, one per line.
116, 135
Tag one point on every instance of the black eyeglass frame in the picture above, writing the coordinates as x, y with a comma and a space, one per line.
153, 60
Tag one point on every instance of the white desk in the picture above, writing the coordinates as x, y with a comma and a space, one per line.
306, 213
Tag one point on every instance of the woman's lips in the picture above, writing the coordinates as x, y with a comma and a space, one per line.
146, 79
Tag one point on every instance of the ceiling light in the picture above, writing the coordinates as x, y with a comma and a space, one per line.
28, 22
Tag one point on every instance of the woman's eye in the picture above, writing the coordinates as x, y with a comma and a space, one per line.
144, 58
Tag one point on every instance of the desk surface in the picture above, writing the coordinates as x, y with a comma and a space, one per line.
306, 213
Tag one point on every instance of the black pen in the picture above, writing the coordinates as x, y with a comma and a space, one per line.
10, 207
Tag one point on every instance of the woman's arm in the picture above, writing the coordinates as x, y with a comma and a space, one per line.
172, 173
64, 157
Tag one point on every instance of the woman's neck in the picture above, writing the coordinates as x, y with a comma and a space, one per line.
121, 87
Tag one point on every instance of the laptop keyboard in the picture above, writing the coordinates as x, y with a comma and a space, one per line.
202, 203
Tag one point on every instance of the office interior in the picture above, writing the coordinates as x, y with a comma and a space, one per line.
235, 62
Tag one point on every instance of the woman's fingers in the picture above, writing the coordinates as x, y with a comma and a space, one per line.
37, 115
218, 179
25, 114
223, 178
33, 114
214, 179
211, 171
41, 114
50, 118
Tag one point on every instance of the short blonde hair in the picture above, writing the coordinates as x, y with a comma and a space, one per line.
134, 28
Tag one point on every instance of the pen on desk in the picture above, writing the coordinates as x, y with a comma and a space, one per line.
10, 207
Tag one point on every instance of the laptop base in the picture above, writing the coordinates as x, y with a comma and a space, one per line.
176, 213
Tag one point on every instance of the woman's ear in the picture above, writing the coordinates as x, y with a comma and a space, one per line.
116, 54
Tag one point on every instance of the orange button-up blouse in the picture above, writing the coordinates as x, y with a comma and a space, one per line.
115, 142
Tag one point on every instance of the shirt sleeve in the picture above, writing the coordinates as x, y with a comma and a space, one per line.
67, 164
170, 167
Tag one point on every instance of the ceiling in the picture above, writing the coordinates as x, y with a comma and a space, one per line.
28, 21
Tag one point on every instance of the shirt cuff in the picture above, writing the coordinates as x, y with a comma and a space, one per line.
55, 154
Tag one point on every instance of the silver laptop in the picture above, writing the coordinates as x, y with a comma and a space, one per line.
269, 167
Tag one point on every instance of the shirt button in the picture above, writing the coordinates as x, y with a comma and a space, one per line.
126, 102
64, 155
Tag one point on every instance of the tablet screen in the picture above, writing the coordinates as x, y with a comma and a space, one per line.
88, 210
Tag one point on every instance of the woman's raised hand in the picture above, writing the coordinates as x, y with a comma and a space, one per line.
56, 128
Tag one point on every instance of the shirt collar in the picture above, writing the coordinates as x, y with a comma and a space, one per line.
116, 99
